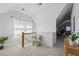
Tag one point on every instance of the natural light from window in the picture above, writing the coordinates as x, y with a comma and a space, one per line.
22, 26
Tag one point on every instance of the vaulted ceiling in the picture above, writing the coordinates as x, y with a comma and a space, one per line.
12, 8
16, 14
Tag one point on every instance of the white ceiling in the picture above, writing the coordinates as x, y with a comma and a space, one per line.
8, 7
18, 15
12, 9
66, 9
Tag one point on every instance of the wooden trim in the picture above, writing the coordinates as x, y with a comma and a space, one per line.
22, 39
29, 33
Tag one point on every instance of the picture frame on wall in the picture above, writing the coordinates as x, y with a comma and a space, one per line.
68, 28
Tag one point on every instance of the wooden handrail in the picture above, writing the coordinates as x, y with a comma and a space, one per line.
29, 33
23, 37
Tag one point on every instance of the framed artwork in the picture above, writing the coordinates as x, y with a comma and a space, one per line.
68, 28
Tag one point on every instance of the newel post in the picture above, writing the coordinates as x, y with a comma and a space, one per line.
22, 39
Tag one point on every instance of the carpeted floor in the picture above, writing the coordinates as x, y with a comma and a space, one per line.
30, 50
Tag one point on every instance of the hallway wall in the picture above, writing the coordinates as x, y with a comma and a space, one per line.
75, 14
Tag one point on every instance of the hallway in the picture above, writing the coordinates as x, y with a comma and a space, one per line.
60, 42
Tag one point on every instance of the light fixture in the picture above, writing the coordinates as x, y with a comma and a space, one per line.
22, 9
39, 4
11, 16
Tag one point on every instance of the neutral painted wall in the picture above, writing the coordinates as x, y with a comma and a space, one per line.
75, 12
45, 17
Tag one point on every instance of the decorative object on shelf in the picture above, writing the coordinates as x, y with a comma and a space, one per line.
2, 41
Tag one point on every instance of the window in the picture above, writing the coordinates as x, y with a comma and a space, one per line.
22, 26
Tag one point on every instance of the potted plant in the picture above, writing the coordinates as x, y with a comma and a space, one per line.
2, 41
72, 39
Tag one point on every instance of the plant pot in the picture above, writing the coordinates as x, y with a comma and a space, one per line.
77, 41
72, 43
1, 47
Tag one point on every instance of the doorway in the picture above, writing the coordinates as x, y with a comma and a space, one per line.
63, 25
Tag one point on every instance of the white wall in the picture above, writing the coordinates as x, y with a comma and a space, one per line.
75, 12
4, 26
45, 17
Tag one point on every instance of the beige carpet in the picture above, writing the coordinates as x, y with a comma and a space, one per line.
30, 50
